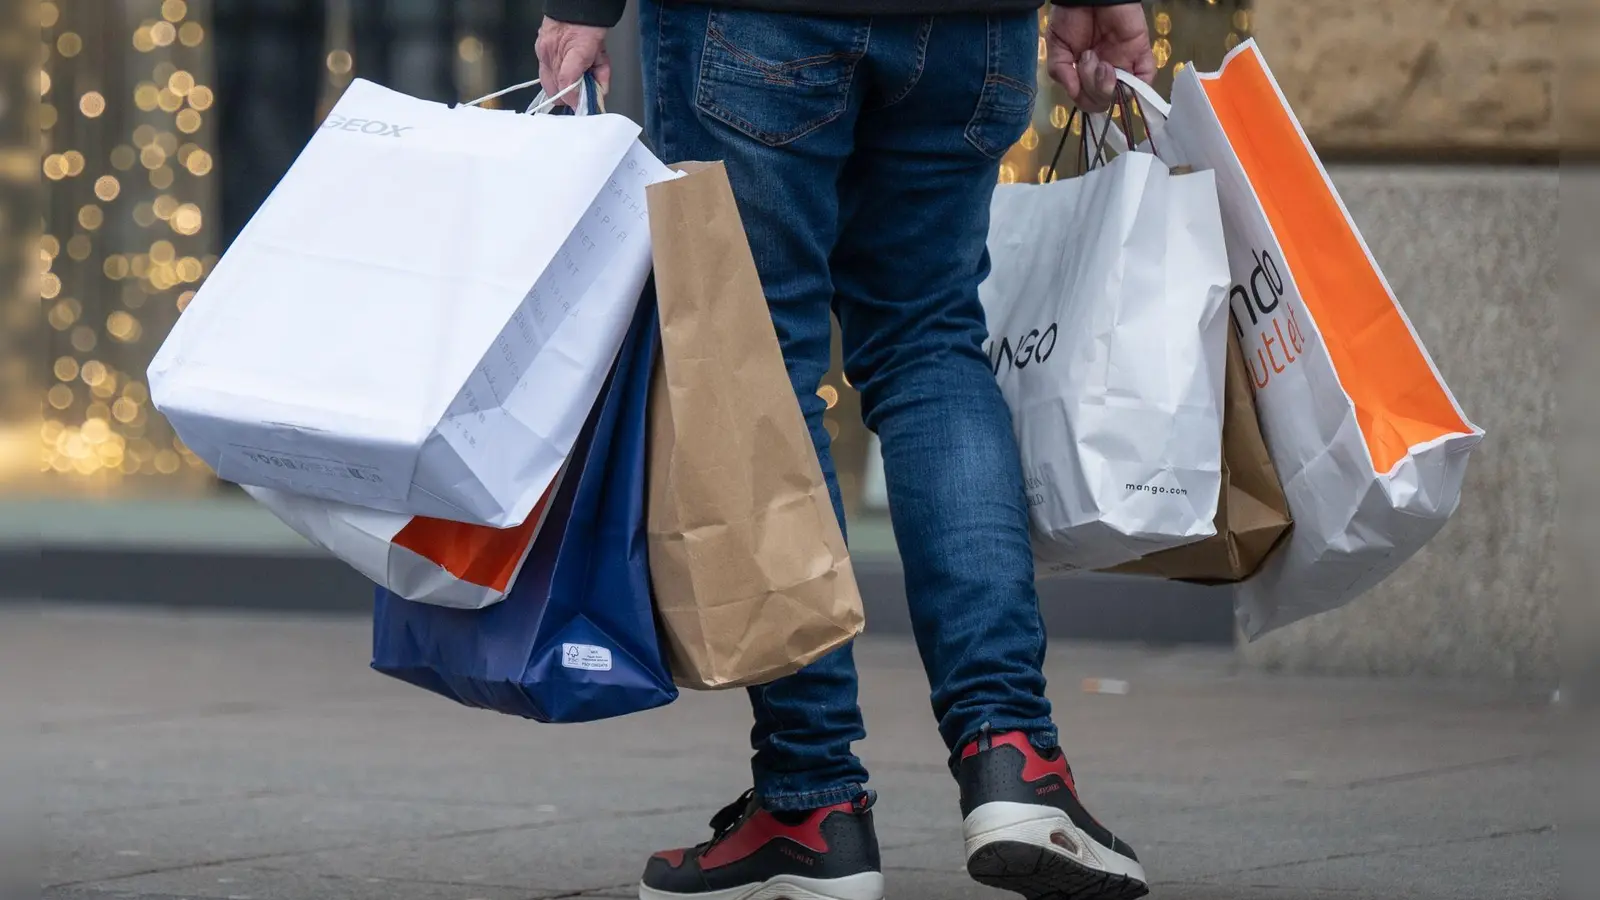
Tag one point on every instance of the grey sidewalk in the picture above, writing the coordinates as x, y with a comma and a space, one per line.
215, 756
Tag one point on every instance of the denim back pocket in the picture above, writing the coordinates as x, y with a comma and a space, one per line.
778, 78
1005, 106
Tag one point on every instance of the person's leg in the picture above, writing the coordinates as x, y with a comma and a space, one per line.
773, 98
907, 267
911, 254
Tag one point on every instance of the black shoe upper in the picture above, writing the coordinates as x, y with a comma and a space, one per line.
1008, 769
751, 845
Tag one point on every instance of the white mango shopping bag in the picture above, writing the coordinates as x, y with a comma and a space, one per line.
1106, 305
434, 561
420, 317
1368, 440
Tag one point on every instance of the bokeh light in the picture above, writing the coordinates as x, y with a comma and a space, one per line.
128, 158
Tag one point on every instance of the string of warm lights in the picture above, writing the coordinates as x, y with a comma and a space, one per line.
123, 114
20, 319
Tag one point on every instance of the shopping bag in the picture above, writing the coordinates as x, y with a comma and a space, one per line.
427, 560
1106, 305
1252, 513
752, 578
1370, 444
575, 639
426, 287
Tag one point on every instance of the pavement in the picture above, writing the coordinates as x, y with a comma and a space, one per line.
255, 757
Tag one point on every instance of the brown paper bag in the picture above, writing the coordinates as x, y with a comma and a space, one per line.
1252, 512
751, 575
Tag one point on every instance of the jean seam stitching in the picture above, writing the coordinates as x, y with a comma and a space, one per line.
1014, 84
922, 64
992, 79
720, 37
771, 139
979, 114
707, 104
757, 63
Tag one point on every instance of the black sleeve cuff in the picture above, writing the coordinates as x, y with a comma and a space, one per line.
603, 13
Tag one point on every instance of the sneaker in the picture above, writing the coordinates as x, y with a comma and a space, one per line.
819, 854
1026, 831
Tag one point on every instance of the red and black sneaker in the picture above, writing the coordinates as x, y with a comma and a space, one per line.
1026, 831
754, 854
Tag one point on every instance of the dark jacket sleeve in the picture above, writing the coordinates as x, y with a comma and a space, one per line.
604, 13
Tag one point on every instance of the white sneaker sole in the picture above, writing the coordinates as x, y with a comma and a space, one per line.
865, 886
1036, 851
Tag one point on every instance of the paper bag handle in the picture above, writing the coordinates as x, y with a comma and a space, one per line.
1149, 102
1100, 131
590, 100
1148, 97
1103, 131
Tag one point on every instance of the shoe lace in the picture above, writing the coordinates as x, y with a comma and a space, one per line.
729, 817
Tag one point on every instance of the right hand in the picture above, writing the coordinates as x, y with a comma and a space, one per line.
1087, 44
566, 52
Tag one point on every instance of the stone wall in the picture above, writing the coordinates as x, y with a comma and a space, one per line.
1471, 253
1422, 77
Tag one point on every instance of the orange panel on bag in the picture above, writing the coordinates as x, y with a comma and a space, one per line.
476, 554
1398, 399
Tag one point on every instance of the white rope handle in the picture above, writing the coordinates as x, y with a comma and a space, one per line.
542, 103
502, 92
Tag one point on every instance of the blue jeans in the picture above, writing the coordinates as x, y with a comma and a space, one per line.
863, 152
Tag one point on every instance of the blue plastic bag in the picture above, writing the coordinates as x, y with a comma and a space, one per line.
575, 639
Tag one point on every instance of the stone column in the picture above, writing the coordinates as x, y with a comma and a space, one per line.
1434, 79
1469, 247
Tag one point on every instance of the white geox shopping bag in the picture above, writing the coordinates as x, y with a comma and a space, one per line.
420, 317
1367, 438
434, 561
1108, 333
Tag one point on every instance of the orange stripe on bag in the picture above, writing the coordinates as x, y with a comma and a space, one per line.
1398, 399
476, 554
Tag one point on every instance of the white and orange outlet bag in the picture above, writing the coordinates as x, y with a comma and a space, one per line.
1369, 442
434, 561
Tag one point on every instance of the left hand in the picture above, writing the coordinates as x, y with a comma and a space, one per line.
1087, 44
566, 52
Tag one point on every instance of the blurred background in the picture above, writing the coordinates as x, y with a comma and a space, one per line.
147, 132
166, 123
